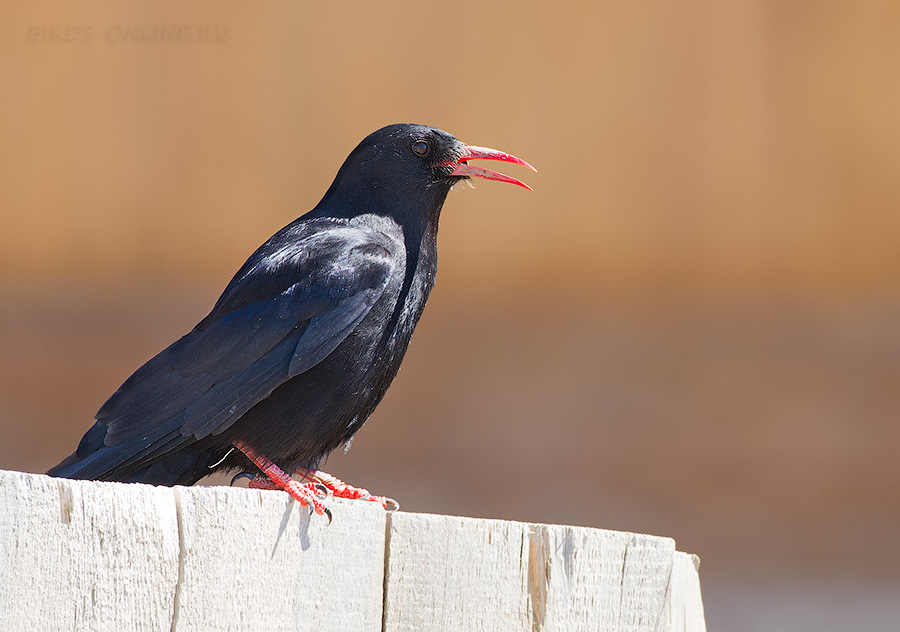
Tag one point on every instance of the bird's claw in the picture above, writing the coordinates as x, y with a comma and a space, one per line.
339, 489
325, 510
240, 475
390, 505
305, 494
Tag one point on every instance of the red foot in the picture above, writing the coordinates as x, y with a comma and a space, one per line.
304, 493
340, 489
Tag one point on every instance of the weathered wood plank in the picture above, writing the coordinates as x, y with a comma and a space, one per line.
449, 573
685, 601
256, 560
80, 555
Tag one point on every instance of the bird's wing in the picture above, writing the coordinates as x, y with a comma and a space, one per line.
287, 309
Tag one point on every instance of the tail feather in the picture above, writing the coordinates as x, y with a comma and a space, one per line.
164, 457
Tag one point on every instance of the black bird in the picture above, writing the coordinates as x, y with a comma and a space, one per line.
306, 338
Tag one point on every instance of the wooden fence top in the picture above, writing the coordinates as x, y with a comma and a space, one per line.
83, 555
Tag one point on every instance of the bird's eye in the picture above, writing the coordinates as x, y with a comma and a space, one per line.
420, 148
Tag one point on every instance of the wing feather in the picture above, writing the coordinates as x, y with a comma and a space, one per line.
290, 306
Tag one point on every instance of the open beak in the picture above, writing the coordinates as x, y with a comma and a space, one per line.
470, 152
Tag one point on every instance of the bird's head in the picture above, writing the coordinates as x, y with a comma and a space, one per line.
410, 166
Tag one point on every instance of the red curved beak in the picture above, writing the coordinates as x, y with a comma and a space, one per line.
470, 152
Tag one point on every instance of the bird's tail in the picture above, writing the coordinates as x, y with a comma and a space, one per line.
133, 463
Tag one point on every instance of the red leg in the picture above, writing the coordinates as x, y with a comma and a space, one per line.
304, 493
340, 489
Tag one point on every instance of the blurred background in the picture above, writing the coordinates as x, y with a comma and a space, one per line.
689, 329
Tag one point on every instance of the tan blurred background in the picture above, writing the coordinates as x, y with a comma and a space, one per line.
691, 328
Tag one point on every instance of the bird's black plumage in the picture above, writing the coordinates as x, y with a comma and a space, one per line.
306, 338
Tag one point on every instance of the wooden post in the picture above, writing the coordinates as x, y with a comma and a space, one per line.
81, 555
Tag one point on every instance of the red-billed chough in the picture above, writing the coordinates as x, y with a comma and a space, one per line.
306, 338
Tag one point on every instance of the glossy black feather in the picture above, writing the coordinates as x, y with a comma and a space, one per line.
305, 339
